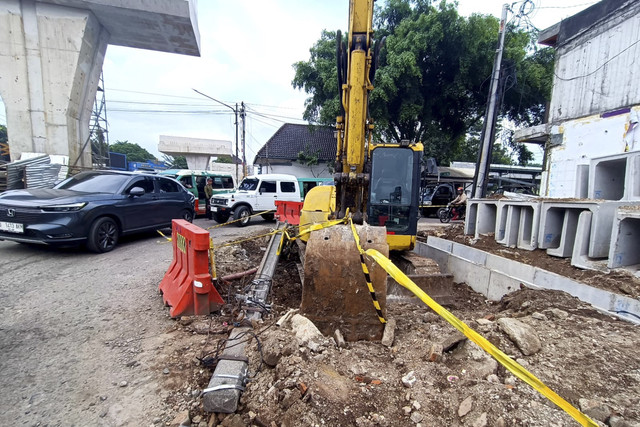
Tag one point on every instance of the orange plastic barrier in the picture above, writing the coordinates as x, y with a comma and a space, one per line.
187, 286
288, 211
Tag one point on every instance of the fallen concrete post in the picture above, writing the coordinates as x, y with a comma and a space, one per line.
231, 373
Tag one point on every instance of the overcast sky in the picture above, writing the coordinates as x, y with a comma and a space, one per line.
247, 51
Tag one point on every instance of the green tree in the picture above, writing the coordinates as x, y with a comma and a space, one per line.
134, 152
433, 77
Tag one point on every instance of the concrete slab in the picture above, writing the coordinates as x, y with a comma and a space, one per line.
468, 253
558, 224
625, 240
568, 234
438, 255
521, 272
440, 244
471, 216
529, 227
580, 256
476, 276
162, 25
481, 216
501, 285
197, 151
51, 56
615, 177
499, 276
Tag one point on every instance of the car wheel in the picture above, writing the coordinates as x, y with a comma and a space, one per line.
220, 218
103, 235
267, 216
187, 215
242, 213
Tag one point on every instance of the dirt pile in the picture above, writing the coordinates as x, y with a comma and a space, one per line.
620, 282
430, 375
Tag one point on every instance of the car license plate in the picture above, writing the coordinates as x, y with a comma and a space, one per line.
11, 227
214, 209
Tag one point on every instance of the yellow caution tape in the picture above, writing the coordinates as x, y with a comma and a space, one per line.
236, 242
236, 220
160, 233
501, 357
365, 270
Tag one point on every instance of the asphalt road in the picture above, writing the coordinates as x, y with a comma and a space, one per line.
77, 326
83, 336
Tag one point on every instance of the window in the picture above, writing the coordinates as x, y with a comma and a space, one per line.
288, 187
94, 182
220, 182
144, 183
268, 187
227, 182
168, 186
248, 184
186, 181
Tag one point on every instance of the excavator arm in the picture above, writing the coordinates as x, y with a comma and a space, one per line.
376, 184
355, 60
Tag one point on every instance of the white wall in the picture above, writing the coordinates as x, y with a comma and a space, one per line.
300, 171
598, 70
584, 139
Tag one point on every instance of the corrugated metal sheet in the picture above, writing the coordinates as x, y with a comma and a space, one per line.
16, 171
597, 71
42, 176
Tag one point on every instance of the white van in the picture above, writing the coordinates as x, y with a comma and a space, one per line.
256, 193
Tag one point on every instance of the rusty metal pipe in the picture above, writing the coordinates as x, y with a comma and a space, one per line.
240, 275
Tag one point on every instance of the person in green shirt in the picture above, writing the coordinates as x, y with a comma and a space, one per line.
208, 193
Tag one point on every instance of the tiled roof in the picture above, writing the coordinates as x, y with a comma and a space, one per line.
291, 139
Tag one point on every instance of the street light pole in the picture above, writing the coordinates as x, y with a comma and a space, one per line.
235, 110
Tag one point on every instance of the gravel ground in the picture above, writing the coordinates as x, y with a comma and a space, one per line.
85, 338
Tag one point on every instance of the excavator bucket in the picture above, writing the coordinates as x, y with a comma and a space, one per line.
335, 293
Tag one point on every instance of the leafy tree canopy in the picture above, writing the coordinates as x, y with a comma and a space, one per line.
134, 152
432, 82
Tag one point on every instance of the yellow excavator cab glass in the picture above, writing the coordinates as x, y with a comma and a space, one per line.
394, 188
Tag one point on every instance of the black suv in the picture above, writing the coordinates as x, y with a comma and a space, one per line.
95, 208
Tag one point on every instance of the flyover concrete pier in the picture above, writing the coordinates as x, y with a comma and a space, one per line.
51, 55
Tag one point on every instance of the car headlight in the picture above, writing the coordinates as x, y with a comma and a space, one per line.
64, 208
427, 203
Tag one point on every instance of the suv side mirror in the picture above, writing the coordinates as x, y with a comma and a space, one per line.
137, 192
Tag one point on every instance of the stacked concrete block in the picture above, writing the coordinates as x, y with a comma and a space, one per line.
625, 240
580, 257
561, 230
615, 177
559, 224
481, 216
517, 223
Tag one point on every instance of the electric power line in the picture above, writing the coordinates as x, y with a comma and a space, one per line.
600, 67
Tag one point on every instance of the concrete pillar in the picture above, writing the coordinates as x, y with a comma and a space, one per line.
50, 59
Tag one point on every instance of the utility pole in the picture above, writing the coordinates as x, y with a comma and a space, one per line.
482, 167
244, 151
235, 110
236, 159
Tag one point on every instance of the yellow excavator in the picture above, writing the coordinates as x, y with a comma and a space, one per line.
376, 184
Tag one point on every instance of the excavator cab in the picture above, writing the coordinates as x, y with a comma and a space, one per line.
394, 193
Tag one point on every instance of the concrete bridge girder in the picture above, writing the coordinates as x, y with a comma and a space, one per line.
51, 54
